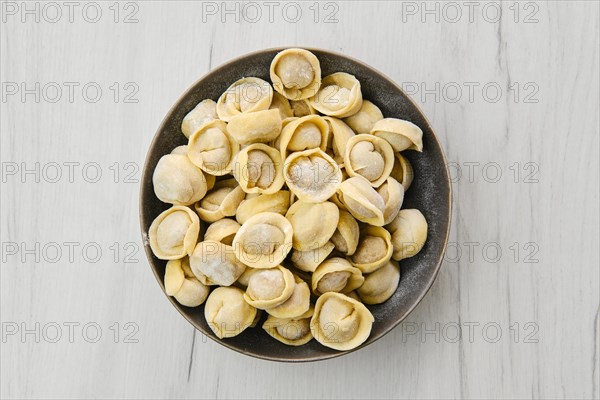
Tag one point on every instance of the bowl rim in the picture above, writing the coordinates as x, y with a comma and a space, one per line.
145, 172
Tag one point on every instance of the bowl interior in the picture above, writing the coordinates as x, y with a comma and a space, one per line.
430, 193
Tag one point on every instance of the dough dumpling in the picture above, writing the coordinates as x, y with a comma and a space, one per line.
183, 285
222, 201
362, 201
204, 112
370, 157
309, 260
264, 240
364, 120
339, 134
227, 313
346, 235
392, 193
339, 96
409, 233
302, 108
340, 322
258, 169
336, 275
277, 202
402, 171
177, 181
296, 305
296, 73
290, 331
313, 223
214, 263
222, 231
246, 95
401, 135
268, 288
381, 284
174, 233
212, 148
374, 249
257, 127
282, 105
309, 132
312, 175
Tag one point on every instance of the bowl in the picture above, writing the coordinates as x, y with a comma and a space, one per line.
430, 192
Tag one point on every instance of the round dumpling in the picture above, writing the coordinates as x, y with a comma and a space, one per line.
222, 231
362, 201
381, 284
370, 157
178, 181
313, 223
339, 134
277, 202
296, 305
305, 133
246, 95
174, 233
227, 313
402, 135
212, 148
214, 263
183, 285
339, 96
374, 249
346, 235
364, 120
312, 175
290, 331
336, 275
392, 193
204, 112
268, 288
258, 169
222, 201
264, 240
256, 127
409, 233
296, 74
309, 260
402, 171
282, 105
340, 322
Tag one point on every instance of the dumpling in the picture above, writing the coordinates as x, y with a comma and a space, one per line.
258, 169
227, 313
212, 148
409, 233
180, 150
204, 112
177, 181
402, 135
381, 284
309, 260
282, 105
244, 278
339, 134
340, 322
214, 263
402, 171
309, 132
336, 275
296, 73
362, 201
174, 233
222, 201
370, 157
392, 193
264, 240
346, 235
246, 95
290, 331
222, 231
257, 127
277, 202
302, 108
313, 223
374, 249
312, 175
364, 120
268, 288
183, 285
339, 96
296, 305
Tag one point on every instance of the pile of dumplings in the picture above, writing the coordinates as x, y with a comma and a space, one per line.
287, 199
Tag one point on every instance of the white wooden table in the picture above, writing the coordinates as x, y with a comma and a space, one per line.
514, 99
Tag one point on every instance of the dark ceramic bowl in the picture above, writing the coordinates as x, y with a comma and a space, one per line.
430, 192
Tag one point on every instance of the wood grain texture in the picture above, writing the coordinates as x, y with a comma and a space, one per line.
521, 277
